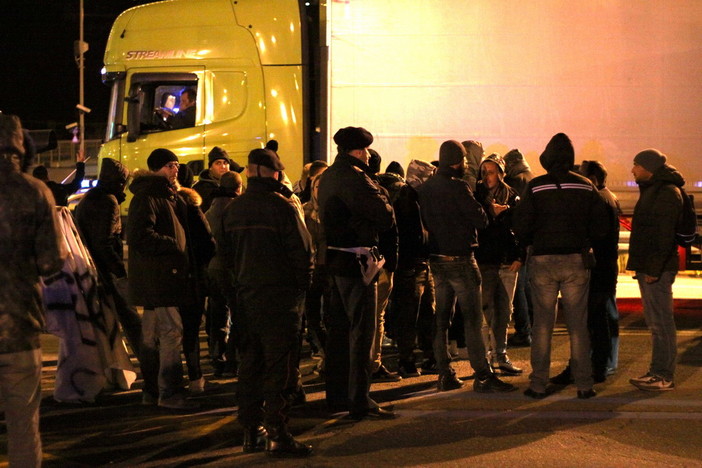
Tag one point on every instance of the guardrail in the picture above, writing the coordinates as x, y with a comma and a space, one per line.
65, 153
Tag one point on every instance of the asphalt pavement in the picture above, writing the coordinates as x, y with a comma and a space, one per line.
620, 427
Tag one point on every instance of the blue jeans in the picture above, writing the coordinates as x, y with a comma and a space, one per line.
20, 391
549, 275
658, 311
162, 330
458, 280
498, 291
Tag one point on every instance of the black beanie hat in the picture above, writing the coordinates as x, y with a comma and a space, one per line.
265, 158
185, 176
351, 138
215, 154
650, 159
272, 145
451, 152
159, 158
374, 161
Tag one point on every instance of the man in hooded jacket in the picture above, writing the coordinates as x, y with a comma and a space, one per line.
452, 217
653, 255
559, 216
98, 218
31, 245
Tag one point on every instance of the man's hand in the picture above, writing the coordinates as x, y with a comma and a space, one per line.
515, 266
80, 156
497, 209
650, 279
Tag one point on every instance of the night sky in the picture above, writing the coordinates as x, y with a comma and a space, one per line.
38, 70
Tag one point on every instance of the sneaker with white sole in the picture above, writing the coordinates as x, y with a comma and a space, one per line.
654, 383
643, 378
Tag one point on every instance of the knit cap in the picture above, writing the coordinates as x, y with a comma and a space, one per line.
650, 159
159, 158
451, 152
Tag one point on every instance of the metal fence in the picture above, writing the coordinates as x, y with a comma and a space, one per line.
65, 153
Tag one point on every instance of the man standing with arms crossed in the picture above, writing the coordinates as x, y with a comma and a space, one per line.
653, 255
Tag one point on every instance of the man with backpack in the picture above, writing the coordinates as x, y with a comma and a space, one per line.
653, 256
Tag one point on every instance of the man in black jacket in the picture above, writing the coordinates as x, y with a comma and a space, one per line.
61, 191
452, 216
559, 217
99, 221
158, 276
353, 212
267, 249
653, 255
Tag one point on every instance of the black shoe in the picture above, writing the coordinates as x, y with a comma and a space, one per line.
519, 341
407, 369
564, 378
254, 439
384, 375
429, 366
585, 394
491, 384
449, 382
372, 413
283, 445
534, 394
505, 366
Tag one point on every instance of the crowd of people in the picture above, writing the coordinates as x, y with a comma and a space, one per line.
351, 255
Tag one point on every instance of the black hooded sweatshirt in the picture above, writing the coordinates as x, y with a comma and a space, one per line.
561, 212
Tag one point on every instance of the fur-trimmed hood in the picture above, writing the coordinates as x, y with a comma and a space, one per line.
190, 196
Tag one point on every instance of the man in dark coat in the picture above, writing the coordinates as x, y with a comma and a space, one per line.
30, 246
452, 216
353, 212
158, 275
268, 251
559, 217
98, 218
653, 256
219, 163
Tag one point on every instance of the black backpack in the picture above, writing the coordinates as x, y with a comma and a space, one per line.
686, 228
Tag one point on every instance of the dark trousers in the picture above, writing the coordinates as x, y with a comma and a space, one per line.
270, 320
350, 332
218, 321
603, 324
411, 285
522, 313
191, 316
316, 301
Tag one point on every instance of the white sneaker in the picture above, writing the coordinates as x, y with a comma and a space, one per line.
197, 386
653, 384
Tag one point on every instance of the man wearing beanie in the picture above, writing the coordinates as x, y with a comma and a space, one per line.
267, 249
452, 216
158, 277
353, 213
218, 163
653, 256
558, 218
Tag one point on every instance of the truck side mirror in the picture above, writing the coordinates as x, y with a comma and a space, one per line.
134, 115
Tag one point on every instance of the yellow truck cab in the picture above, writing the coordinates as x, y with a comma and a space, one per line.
242, 59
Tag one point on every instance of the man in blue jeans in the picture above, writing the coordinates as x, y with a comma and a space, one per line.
653, 255
559, 216
452, 216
